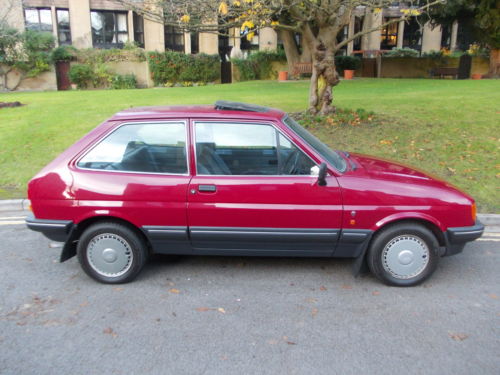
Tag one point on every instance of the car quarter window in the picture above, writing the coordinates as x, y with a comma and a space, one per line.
247, 149
142, 147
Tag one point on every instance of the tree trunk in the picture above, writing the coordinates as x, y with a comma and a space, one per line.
494, 63
291, 50
324, 78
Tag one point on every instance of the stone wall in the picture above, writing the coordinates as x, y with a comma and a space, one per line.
138, 68
401, 67
43, 82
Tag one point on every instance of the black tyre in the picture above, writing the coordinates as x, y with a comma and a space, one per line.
403, 254
111, 253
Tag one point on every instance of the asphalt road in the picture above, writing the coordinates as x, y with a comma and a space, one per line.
215, 315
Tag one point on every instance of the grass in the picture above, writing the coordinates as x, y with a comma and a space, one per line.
447, 127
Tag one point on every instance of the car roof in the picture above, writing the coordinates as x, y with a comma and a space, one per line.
221, 109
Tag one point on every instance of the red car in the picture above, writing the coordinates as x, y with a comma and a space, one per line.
240, 179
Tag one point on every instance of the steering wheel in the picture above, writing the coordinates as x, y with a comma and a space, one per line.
290, 164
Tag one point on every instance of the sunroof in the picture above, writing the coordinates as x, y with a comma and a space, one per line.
224, 105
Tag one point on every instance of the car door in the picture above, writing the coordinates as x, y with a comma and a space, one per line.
253, 193
139, 172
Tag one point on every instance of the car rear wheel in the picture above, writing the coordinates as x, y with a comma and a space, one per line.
111, 253
403, 254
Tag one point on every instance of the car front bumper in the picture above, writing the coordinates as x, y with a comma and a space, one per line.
457, 237
55, 230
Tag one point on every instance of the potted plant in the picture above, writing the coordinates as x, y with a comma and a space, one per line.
347, 65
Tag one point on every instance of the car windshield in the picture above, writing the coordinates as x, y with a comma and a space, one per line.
329, 155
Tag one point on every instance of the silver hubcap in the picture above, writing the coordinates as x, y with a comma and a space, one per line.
109, 255
405, 256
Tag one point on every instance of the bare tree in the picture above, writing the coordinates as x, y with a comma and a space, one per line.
319, 22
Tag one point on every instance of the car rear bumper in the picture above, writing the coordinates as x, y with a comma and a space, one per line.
457, 237
55, 230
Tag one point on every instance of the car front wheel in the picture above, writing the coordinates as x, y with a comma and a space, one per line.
111, 253
403, 254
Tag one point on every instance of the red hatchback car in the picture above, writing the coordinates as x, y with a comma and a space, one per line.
240, 179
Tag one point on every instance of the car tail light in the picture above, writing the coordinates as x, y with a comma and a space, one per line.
473, 212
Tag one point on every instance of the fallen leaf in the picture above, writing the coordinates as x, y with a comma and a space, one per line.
118, 289
322, 288
458, 336
221, 310
314, 312
494, 296
291, 343
109, 331
346, 286
202, 309
375, 293
175, 291
311, 300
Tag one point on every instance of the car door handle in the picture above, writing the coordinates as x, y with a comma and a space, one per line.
207, 188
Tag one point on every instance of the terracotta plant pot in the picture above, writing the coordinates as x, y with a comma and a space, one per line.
348, 74
476, 76
282, 75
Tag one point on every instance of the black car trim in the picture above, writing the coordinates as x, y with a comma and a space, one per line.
55, 230
353, 243
168, 239
263, 234
457, 237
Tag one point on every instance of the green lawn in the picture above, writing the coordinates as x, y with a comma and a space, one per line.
450, 128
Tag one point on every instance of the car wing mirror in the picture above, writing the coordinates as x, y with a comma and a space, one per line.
322, 172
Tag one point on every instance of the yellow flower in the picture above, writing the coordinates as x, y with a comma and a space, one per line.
236, 3
415, 12
377, 10
250, 36
185, 18
405, 11
223, 8
275, 23
247, 24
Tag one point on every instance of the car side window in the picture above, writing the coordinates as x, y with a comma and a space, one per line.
150, 148
246, 149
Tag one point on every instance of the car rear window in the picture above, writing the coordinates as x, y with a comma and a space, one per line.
150, 148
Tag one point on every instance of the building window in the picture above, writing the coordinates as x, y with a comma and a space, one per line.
195, 43
412, 36
109, 29
174, 39
38, 19
358, 27
139, 30
63, 29
446, 36
389, 35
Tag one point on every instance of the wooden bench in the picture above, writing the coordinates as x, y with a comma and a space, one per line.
444, 71
301, 68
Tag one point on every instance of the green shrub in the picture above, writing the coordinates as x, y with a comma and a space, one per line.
93, 55
402, 52
172, 67
126, 81
347, 63
432, 54
258, 65
81, 75
35, 53
63, 53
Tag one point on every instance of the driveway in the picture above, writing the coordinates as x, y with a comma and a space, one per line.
216, 315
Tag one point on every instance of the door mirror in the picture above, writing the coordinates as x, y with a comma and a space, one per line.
322, 175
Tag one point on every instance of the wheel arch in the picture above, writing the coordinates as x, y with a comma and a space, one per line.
430, 225
69, 249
